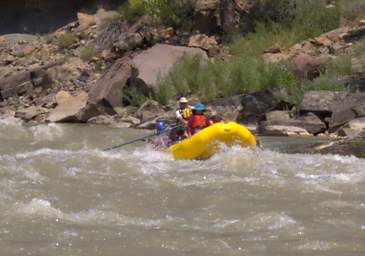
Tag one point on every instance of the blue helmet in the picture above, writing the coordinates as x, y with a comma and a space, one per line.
199, 106
160, 125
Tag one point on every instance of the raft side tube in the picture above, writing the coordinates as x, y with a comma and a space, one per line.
204, 144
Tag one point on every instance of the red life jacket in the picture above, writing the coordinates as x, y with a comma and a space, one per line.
199, 121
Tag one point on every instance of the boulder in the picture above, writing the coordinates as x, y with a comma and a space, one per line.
228, 107
324, 102
132, 120
149, 110
277, 116
102, 119
306, 66
30, 113
283, 130
309, 122
351, 108
158, 61
205, 42
25, 82
68, 107
255, 105
108, 90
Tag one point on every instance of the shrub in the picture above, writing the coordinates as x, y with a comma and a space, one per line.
352, 9
66, 40
210, 80
170, 12
87, 52
132, 96
326, 82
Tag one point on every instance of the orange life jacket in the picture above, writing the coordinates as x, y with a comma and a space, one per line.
199, 121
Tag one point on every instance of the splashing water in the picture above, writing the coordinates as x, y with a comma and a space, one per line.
60, 194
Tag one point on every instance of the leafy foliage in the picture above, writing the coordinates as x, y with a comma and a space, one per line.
132, 96
169, 12
66, 40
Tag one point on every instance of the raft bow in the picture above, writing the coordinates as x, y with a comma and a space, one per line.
205, 143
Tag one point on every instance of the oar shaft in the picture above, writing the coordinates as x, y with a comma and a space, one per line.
139, 139
129, 142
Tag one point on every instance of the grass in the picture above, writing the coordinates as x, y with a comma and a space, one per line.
66, 40
312, 19
176, 13
209, 80
87, 52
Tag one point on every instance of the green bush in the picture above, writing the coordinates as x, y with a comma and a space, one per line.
352, 9
178, 13
66, 40
326, 82
310, 18
210, 80
87, 52
132, 96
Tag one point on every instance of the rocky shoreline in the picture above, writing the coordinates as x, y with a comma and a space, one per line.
79, 72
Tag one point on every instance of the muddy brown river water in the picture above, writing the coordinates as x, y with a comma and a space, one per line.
60, 194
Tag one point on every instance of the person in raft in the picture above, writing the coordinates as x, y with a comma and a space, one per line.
183, 114
198, 120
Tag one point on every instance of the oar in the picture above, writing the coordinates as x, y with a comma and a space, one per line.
139, 139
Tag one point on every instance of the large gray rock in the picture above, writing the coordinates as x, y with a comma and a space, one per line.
109, 88
283, 130
25, 82
255, 105
158, 61
350, 109
309, 122
322, 101
229, 107
68, 107
30, 113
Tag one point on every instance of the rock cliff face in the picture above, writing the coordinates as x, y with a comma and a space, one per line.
42, 16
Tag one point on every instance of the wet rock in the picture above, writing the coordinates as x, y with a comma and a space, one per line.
102, 119
353, 128
108, 90
309, 122
132, 120
282, 130
347, 147
157, 61
68, 107
30, 113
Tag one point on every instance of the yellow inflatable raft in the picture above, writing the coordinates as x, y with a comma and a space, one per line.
204, 144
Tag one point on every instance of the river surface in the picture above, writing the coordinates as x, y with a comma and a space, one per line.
60, 194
